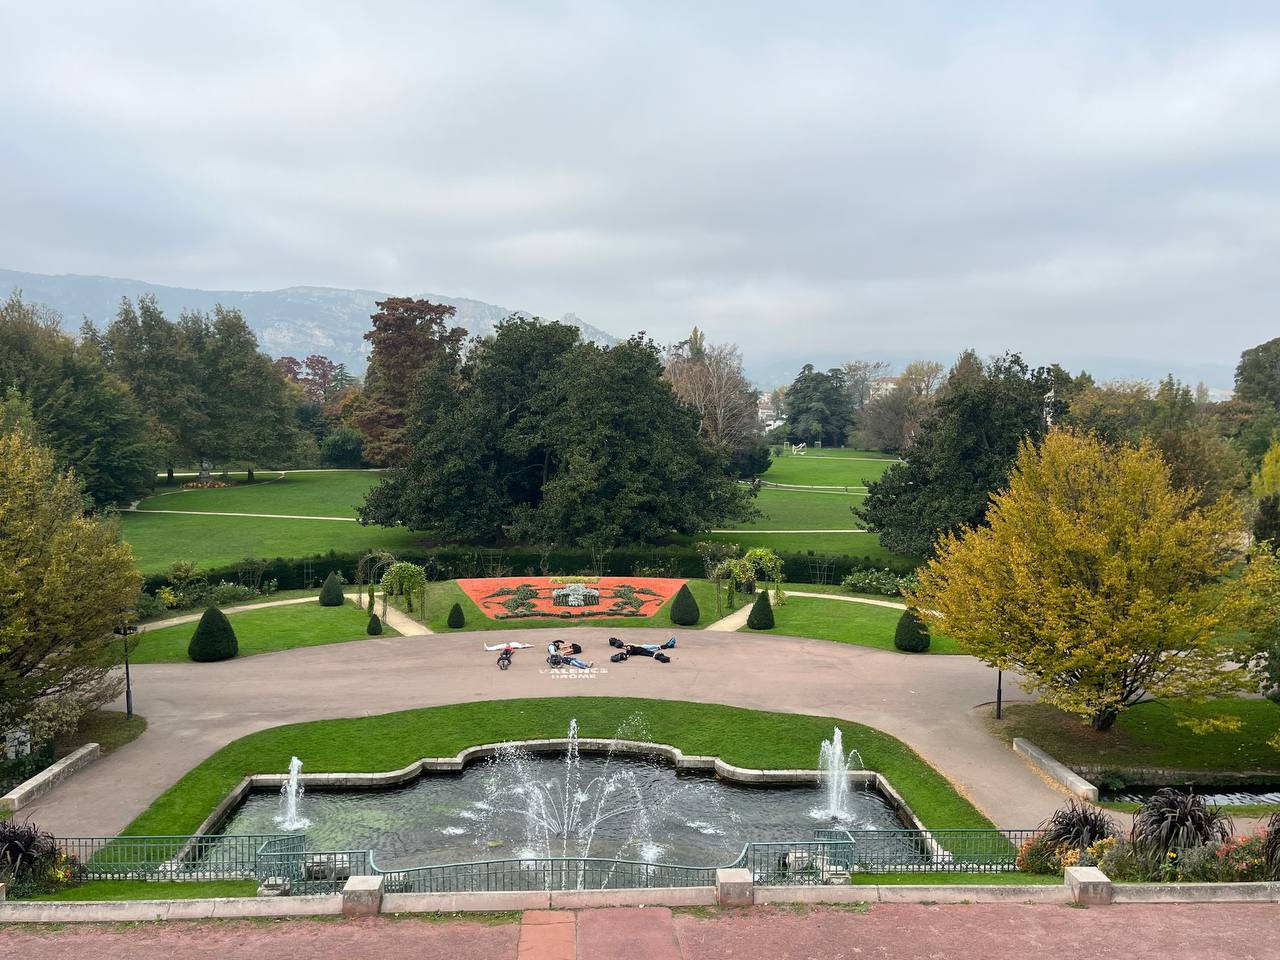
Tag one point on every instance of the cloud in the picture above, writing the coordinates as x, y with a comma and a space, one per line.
1098, 182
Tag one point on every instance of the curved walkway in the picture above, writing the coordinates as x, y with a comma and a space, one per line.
738, 619
194, 709
400, 622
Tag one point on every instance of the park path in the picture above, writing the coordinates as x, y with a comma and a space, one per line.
400, 622
886, 931
738, 619
229, 513
194, 709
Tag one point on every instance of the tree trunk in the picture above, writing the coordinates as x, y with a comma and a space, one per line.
249, 474
170, 471
1102, 722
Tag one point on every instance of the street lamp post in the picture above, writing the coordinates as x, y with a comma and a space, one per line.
999, 690
125, 631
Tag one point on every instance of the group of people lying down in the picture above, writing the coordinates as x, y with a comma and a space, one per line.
568, 653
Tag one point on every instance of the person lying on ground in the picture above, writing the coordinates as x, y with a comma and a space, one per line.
568, 653
641, 650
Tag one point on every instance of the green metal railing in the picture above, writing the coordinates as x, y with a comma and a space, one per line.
568, 873
165, 858
830, 857
833, 854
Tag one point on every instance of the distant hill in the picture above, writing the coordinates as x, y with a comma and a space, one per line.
295, 321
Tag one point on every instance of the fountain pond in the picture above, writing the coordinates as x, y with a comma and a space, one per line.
519, 805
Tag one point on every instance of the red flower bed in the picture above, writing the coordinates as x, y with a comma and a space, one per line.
569, 598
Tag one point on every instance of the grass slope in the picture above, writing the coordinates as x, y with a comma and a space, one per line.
804, 510
858, 623
1148, 735
940, 879
153, 890
441, 596
323, 493
748, 738
109, 729
264, 631
159, 539
838, 468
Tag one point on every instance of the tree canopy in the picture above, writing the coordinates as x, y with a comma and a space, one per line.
1096, 578
78, 408
1258, 373
818, 406
961, 453
408, 336
540, 437
66, 581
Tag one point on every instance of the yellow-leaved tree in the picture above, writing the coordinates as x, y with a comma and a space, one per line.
1096, 580
66, 581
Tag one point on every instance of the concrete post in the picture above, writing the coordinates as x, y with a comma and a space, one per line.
735, 888
1088, 885
362, 897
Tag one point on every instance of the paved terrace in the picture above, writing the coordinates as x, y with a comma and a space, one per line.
885, 932
193, 709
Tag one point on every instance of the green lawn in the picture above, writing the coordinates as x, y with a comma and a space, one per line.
747, 738
265, 598
804, 510
861, 623
159, 539
324, 493
442, 595
828, 468
1148, 735
109, 729
1234, 809
938, 878
264, 631
153, 890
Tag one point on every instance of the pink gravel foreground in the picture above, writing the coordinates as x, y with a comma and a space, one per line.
888, 931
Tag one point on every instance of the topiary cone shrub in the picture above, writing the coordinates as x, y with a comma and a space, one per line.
761, 615
684, 608
331, 592
911, 636
375, 626
456, 619
214, 638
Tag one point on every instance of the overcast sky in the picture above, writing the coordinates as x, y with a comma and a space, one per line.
809, 180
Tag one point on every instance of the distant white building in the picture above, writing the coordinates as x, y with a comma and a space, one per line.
882, 386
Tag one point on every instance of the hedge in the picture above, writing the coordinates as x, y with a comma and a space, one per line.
299, 573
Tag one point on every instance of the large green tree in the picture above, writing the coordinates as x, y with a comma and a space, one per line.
66, 581
1097, 579
1181, 429
80, 410
962, 451
818, 407
407, 337
213, 398
1258, 373
542, 438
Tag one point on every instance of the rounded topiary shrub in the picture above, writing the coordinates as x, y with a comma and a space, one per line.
684, 608
331, 592
912, 636
375, 626
761, 615
456, 619
214, 638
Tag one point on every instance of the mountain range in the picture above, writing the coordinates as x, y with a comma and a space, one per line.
295, 321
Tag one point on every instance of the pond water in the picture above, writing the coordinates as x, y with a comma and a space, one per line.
558, 805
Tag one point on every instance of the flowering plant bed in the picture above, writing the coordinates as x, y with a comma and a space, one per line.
569, 598
205, 485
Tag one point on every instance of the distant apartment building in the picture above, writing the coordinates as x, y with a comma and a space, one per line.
881, 386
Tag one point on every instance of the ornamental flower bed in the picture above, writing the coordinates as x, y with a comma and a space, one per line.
205, 485
564, 598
